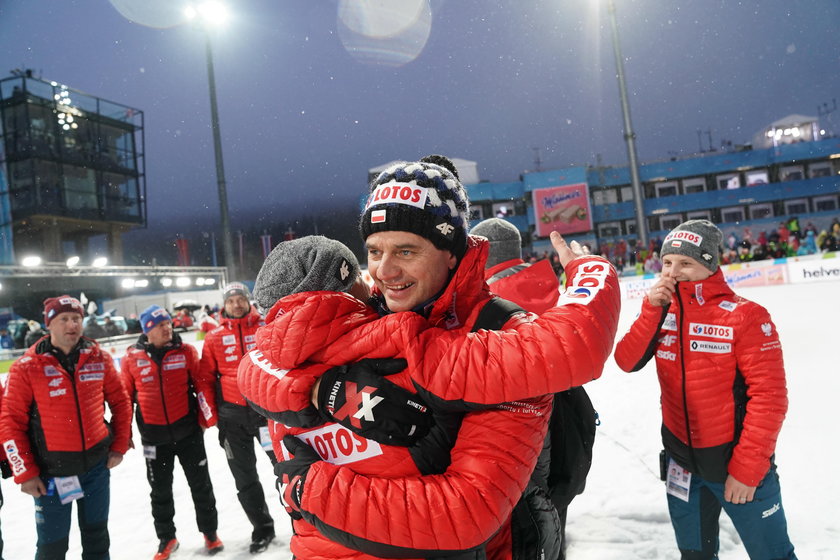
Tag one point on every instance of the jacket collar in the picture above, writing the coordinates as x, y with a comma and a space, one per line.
713, 287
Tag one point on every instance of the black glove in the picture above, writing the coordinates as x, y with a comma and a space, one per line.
291, 474
358, 397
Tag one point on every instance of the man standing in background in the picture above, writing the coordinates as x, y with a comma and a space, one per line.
55, 435
174, 406
238, 424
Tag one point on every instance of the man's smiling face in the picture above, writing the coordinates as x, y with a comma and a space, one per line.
407, 269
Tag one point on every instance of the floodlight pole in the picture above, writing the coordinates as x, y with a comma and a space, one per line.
227, 243
629, 135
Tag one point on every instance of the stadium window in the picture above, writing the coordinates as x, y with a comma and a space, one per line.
732, 214
791, 173
604, 196
695, 185
503, 209
666, 189
626, 193
757, 177
825, 203
728, 181
476, 213
819, 169
609, 229
699, 215
796, 206
759, 211
670, 221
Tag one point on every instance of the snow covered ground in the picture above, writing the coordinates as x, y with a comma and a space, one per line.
623, 513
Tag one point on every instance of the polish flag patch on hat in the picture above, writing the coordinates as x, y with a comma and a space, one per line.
377, 217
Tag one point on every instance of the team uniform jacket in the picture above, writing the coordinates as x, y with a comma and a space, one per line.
456, 508
223, 347
533, 287
53, 422
722, 376
172, 400
4, 465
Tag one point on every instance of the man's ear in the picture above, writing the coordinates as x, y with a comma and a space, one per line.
453, 261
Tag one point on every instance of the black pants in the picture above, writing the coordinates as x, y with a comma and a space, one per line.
237, 439
193, 458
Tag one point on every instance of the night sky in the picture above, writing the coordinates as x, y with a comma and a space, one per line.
303, 118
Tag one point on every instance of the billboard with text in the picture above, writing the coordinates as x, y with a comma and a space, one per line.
564, 209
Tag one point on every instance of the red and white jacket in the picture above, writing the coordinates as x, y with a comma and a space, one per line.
223, 347
172, 399
722, 376
374, 494
53, 422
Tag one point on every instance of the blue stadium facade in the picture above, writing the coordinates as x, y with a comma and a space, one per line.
737, 189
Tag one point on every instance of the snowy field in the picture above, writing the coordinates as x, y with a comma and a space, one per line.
623, 513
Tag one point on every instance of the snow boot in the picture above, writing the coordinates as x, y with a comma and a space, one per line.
166, 548
212, 543
260, 541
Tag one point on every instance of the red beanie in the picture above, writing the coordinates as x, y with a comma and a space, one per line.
61, 304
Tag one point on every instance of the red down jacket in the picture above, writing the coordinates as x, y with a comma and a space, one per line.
53, 423
172, 400
495, 449
223, 347
533, 287
721, 373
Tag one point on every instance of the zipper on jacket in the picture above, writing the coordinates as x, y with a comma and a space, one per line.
162, 395
682, 370
79, 412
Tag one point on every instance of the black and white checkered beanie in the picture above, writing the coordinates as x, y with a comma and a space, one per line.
423, 197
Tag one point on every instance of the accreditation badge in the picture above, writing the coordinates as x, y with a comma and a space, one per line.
69, 488
678, 481
265, 438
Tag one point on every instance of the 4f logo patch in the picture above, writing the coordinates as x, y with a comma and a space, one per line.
445, 229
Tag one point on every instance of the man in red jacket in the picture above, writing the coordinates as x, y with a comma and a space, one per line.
424, 266
55, 435
174, 406
239, 425
4, 465
724, 398
562, 470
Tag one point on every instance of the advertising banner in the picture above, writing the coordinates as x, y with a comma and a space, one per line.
563, 209
819, 270
743, 277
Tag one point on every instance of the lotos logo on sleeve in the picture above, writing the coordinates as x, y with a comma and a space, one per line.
398, 193
683, 235
586, 284
338, 445
13, 455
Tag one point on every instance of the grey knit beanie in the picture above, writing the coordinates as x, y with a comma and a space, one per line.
698, 239
505, 240
422, 197
307, 264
